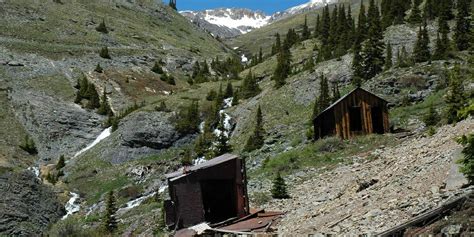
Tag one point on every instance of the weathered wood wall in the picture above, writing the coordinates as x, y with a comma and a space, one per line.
340, 113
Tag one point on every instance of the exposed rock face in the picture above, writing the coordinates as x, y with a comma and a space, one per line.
152, 130
27, 207
141, 134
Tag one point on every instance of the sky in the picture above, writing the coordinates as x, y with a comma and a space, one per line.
267, 6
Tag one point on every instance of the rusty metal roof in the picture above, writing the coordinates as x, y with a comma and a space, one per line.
187, 170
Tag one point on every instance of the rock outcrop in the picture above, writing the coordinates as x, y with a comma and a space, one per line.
27, 207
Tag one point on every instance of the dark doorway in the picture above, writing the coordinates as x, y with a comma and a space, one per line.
219, 200
377, 120
355, 117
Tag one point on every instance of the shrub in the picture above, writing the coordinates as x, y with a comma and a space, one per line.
61, 163
104, 53
260, 198
99, 69
29, 146
432, 117
102, 28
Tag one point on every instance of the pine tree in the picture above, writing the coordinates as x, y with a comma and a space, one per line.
172, 4
250, 87
306, 33
324, 96
91, 94
357, 65
455, 95
110, 222
421, 51
462, 32
283, 68
102, 28
277, 43
415, 15
279, 188
256, 140
325, 49
61, 163
429, 10
317, 28
260, 55
309, 64
188, 121
372, 52
388, 57
104, 108
222, 146
362, 27
99, 69
229, 90
467, 162
398, 9
432, 117
104, 53
29, 146
336, 94
442, 40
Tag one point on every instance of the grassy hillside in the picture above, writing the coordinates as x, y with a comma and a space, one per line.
68, 28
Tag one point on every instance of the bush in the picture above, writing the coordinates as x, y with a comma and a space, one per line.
104, 53
102, 28
260, 198
61, 163
99, 69
432, 117
330, 144
29, 146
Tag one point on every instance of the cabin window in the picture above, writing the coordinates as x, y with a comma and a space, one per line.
355, 117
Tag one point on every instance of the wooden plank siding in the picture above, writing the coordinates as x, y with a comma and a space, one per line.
339, 112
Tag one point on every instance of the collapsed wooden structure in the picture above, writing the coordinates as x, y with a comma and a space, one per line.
212, 192
357, 113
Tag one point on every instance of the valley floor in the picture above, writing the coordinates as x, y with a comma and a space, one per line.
373, 195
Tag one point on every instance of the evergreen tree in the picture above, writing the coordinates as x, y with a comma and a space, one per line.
188, 119
309, 64
455, 95
104, 108
462, 32
279, 188
362, 27
306, 33
467, 162
102, 28
398, 9
104, 53
99, 69
372, 52
277, 43
260, 55
429, 10
415, 15
442, 40
91, 94
229, 90
357, 65
222, 146
110, 222
403, 60
256, 140
336, 94
388, 57
172, 4
432, 117
250, 87
325, 49
324, 96
317, 28
283, 68
29, 146
61, 163
421, 51
445, 9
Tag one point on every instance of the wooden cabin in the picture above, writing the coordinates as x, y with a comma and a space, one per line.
211, 192
357, 113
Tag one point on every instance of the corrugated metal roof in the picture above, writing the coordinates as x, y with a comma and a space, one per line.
218, 160
344, 97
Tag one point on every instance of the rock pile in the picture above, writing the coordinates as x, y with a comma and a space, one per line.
371, 196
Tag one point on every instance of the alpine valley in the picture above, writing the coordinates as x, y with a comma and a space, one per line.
350, 117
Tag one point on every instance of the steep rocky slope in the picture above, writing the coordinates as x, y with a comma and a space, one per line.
370, 196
